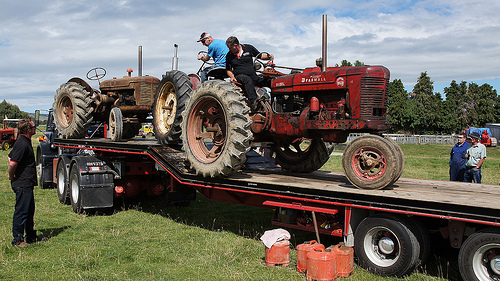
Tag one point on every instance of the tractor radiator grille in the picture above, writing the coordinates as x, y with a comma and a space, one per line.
373, 97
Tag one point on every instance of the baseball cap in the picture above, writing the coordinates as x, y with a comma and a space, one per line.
203, 36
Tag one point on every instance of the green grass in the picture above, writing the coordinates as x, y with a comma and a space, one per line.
148, 241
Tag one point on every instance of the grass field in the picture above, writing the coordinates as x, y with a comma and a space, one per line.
205, 241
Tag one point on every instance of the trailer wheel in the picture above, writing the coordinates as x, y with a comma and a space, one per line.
479, 257
171, 97
370, 162
302, 155
63, 180
386, 246
5, 145
401, 158
74, 189
216, 129
72, 110
116, 124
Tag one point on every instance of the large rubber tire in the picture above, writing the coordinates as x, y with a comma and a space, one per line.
386, 246
170, 100
303, 155
370, 162
75, 189
115, 124
73, 109
479, 257
216, 129
62, 173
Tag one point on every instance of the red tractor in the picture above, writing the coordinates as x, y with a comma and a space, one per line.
9, 133
305, 112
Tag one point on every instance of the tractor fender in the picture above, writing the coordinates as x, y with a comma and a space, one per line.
84, 84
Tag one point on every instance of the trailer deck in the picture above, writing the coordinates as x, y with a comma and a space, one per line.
267, 186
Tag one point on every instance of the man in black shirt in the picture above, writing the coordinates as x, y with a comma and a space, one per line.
22, 173
239, 66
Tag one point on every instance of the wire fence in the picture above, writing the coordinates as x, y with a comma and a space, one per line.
415, 139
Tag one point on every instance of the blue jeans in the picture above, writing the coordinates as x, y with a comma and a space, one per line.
205, 71
472, 175
23, 215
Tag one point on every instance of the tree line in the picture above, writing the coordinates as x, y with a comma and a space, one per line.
424, 112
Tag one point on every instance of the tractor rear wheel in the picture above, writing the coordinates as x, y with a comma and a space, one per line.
171, 97
370, 162
302, 155
216, 129
72, 110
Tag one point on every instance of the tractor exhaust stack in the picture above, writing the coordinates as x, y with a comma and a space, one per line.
140, 61
175, 60
324, 45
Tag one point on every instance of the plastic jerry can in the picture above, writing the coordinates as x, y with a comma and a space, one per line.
278, 254
302, 251
321, 265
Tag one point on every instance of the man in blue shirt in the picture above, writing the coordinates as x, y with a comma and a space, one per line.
217, 50
457, 159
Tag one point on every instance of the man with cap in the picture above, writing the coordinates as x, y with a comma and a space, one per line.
217, 50
475, 155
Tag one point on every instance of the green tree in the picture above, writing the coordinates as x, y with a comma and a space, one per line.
401, 112
429, 106
11, 111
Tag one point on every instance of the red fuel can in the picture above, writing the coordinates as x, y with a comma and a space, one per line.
345, 260
302, 251
279, 254
321, 266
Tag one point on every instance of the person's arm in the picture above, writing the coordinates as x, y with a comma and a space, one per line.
12, 169
231, 76
479, 164
204, 58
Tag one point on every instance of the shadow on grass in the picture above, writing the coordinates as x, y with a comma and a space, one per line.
52, 232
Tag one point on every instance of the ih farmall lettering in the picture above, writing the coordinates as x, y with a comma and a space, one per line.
313, 79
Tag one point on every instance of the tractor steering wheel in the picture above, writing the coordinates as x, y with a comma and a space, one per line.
208, 62
99, 73
258, 63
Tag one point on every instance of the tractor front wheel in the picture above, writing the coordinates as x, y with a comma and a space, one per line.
302, 155
370, 162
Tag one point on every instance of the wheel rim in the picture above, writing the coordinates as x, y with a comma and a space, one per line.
369, 163
6, 146
166, 108
486, 262
39, 173
112, 123
60, 180
207, 129
75, 189
382, 246
65, 111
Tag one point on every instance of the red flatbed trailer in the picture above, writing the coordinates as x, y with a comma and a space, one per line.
388, 228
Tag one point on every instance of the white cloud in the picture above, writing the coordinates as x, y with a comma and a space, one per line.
44, 44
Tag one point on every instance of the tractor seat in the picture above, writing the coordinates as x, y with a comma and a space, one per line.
218, 73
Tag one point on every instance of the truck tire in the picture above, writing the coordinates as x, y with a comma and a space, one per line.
5, 145
74, 188
170, 100
303, 155
62, 174
370, 162
216, 129
386, 246
73, 109
115, 124
479, 256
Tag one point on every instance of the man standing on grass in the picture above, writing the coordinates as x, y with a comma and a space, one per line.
457, 159
22, 173
475, 158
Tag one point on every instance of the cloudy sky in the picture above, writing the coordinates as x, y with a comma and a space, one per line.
45, 43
